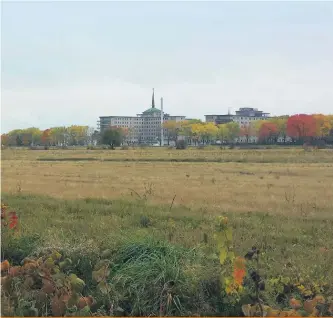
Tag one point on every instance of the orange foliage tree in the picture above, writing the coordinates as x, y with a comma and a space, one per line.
268, 132
301, 127
46, 137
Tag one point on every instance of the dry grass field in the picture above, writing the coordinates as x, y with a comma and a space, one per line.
80, 201
301, 188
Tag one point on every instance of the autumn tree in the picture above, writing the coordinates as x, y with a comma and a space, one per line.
301, 127
46, 137
281, 124
210, 131
172, 129
268, 132
78, 134
246, 131
59, 136
323, 125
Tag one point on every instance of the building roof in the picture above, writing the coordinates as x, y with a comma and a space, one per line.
151, 110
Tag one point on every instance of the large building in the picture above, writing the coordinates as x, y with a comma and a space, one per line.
144, 128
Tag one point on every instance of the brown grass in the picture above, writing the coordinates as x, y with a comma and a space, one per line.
278, 155
300, 189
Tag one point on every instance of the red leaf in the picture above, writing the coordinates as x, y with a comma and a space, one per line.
239, 270
13, 220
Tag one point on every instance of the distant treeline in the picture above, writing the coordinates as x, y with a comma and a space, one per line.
295, 129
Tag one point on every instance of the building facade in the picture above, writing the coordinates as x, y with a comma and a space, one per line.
244, 117
144, 128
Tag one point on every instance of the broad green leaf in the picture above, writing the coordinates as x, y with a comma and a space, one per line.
223, 255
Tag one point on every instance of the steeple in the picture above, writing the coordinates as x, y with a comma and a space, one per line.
153, 100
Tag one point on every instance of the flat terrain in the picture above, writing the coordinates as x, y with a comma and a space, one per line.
278, 199
295, 188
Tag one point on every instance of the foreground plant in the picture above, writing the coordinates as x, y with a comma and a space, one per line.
303, 301
42, 283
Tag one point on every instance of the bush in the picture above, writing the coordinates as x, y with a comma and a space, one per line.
181, 144
124, 147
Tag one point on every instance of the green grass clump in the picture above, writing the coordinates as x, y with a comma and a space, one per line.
155, 273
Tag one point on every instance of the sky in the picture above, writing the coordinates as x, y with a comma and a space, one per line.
69, 62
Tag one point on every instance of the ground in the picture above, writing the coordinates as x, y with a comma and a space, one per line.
277, 199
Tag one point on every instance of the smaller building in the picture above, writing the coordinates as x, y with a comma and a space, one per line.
219, 119
244, 117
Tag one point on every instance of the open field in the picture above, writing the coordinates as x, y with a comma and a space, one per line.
282, 204
303, 189
214, 154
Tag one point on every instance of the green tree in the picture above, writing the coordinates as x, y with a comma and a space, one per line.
113, 137
233, 129
223, 132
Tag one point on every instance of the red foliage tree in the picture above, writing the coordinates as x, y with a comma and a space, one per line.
268, 131
301, 126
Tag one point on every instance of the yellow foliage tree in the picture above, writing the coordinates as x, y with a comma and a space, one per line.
323, 125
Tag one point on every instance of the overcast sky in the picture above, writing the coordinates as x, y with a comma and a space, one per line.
68, 63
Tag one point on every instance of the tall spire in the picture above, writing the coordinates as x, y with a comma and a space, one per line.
153, 100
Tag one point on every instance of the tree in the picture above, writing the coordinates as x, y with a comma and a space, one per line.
233, 129
4, 139
59, 136
323, 125
210, 131
46, 137
198, 132
14, 137
246, 131
301, 127
172, 127
223, 132
281, 125
268, 132
113, 137
78, 134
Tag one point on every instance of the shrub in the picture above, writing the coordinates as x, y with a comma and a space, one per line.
124, 147
181, 144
